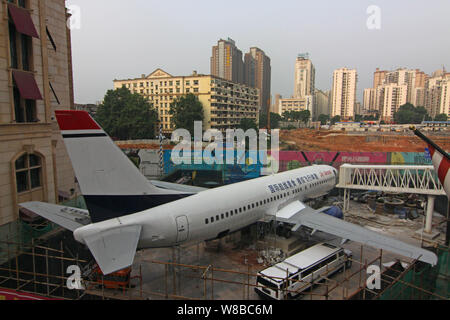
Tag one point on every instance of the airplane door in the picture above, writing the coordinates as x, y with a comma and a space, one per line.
182, 228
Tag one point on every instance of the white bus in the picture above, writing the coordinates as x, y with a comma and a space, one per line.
297, 273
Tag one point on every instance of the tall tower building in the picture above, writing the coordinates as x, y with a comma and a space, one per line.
257, 74
305, 77
226, 61
344, 93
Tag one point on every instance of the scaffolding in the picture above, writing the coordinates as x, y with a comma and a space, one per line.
40, 268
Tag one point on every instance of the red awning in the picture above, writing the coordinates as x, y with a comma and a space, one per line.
27, 85
22, 20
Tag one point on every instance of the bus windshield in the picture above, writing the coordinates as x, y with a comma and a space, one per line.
267, 283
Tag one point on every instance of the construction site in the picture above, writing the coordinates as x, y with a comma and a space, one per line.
226, 269
35, 256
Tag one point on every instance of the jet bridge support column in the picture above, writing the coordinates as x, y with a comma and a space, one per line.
429, 216
428, 229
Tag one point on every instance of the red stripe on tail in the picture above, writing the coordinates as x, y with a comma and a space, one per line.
75, 120
432, 150
443, 169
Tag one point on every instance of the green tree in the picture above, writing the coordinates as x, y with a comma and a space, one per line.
275, 119
247, 124
127, 116
335, 119
185, 110
358, 118
408, 114
304, 116
323, 118
441, 117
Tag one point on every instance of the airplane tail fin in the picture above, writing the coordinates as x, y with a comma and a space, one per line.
110, 183
440, 159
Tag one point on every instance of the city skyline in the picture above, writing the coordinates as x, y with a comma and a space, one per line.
334, 38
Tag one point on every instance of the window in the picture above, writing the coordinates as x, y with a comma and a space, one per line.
217, 218
206, 221
212, 219
227, 215
25, 90
223, 216
28, 173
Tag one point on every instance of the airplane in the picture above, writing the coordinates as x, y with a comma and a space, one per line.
118, 223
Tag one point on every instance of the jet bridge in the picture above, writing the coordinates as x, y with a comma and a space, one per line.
392, 178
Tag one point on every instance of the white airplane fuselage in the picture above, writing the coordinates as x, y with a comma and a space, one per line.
217, 212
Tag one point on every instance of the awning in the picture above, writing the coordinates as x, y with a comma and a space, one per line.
27, 85
22, 20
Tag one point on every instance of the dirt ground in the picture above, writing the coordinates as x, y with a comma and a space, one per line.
314, 140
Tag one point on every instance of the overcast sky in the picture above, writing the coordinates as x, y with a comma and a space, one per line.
120, 39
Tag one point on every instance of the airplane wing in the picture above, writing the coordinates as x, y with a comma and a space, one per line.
299, 214
66, 217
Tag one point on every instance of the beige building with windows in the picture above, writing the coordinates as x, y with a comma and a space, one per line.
392, 97
437, 97
296, 104
225, 103
343, 99
35, 79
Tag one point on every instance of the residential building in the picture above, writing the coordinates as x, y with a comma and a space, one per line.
369, 100
226, 61
257, 74
296, 104
437, 94
379, 77
305, 77
344, 93
35, 80
392, 97
321, 103
225, 103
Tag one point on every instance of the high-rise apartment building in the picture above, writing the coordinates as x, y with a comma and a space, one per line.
344, 93
369, 103
226, 61
379, 77
392, 97
305, 77
258, 74
437, 98
35, 80
225, 103
321, 103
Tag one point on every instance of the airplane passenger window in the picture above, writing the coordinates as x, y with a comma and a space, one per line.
240, 210
223, 216
236, 211
212, 219
206, 221
227, 215
217, 218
